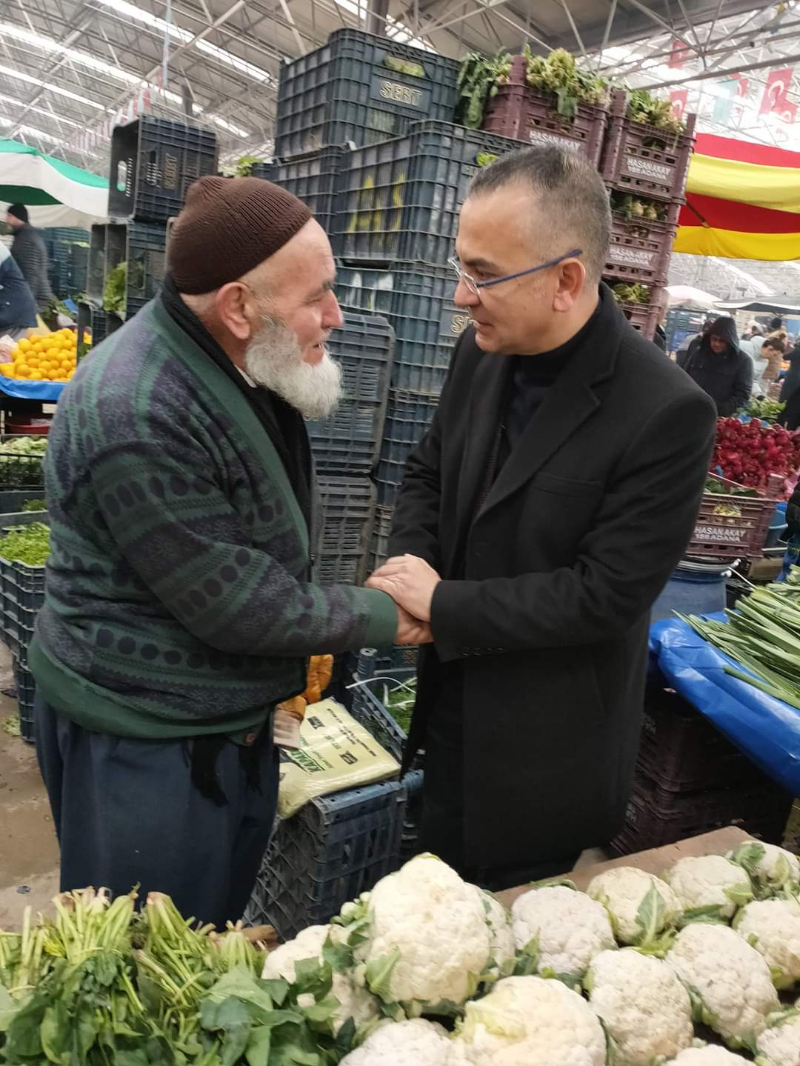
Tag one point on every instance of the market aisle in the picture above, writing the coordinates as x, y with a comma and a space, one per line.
28, 849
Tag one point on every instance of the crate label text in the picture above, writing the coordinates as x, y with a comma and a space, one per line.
536, 136
637, 257
396, 93
647, 168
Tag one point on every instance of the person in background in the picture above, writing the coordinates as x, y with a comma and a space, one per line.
180, 609
792, 380
17, 306
538, 521
31, 255
753, 339
721, 368
774, 351
775, 325
694, 343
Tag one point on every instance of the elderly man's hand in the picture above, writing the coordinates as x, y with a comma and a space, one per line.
410, 630
410, 581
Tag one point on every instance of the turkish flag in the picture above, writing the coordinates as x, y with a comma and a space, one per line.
679, 100
774, 100
678, 55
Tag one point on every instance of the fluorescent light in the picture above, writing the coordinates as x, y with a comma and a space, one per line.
19, 75
225, 125
233, 61
40, 111
74, 56
5, 121
32, 132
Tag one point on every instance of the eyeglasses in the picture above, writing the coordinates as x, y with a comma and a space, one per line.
476, 286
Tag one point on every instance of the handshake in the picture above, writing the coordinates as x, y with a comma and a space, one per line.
410, 582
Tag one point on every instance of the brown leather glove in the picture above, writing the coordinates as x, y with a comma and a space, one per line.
320, 671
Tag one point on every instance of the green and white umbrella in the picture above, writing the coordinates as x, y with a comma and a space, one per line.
58, 193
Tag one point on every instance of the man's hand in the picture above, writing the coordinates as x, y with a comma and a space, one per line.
410, 630
410, 582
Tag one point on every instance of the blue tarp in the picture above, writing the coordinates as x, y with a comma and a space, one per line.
45, 391
766, 729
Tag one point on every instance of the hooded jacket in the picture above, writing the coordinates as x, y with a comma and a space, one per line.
727, 377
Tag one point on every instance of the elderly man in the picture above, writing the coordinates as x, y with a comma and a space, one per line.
179, 607
538, 521
30, 253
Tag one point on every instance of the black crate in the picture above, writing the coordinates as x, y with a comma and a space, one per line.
153, 163
420, 306
265, 170
361, 88
381, 530
314, 178
68, 267
348, 441
408, 416
92, 326
400, 199
348, 509
18, 470
21, 590
143, 247
26, 693
70, 234
12, 502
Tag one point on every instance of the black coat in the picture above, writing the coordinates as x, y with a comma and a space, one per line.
727, 377
29, 250
562, 562
17, 306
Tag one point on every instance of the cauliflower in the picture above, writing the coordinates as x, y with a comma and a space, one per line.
780, 1044
709, 886
561, 929
527, 1020
640, 905
772, 927
421, 937
707, 1056
501, 936
417, 1041
771, 868
729, 981
646, 1010
354, 1002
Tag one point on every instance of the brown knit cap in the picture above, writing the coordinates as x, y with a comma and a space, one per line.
227, 227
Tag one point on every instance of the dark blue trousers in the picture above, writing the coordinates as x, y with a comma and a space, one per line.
127, 812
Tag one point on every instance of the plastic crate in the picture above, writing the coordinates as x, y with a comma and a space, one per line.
142, 246
313, 177
332, 850
640, 248
70, 234
348, 508
643, 159
727, 535
399, 200
153, 163
656, 816
26, 694
408, 416
19, 471
21, 590
12, 502
420, 306
92, 326
361, 88
265, 170
366, 706
527, 114
67, 268
381, 530
643, 317
682, 751
349, 440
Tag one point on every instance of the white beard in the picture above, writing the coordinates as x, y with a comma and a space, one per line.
274, 360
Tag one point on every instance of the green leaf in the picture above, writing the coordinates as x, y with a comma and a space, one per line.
568, 979
650, 916
379, 975
445, 1008
527, 961
276, 988
338, 956
258, 1045
712, 914
749, 856
611, 1047
313, 977
8, 1008
740, 894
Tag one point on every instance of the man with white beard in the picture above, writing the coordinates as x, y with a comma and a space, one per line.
179, 608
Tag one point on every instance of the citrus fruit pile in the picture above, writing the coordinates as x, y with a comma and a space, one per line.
48, 358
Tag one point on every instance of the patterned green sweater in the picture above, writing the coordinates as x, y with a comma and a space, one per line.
176, 600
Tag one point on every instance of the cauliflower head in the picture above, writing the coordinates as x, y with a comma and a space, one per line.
772, 869
526, 1020
709, 886
728, 980
501, 936
561, 928
354, 1001
772, 927
779, 1045
646, 1010
640, 905
416, 1041
421, 937
707, 1056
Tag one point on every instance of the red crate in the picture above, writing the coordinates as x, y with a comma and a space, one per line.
640, 248
731, 536
645, 160
643, 317
528, 115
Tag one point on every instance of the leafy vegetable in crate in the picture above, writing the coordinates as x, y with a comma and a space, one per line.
643, 908
644, 107
21, 461
559, 930
560, 74
729, 982
766, 410
779, 1045
416, 1042
527, 1020
26, 544
709, 887
772, 927
420, 939
631, 293
646, 1010
478, 79
772, 870
317, 945
633, 207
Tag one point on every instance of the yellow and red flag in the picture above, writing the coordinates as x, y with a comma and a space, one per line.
742, 201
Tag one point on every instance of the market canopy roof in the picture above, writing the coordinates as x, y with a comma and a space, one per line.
28, 176
742, 201
763, 306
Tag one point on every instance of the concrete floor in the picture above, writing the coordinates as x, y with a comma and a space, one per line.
28, 847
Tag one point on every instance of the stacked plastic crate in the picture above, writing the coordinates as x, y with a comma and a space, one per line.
153, 163
67, 257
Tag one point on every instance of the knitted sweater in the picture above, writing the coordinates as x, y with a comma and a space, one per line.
177, 597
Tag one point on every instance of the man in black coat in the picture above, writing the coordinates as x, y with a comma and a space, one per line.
721, 368
538, 521
29, 250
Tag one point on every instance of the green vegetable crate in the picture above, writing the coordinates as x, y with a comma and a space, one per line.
640, 247
26, 694
22, 583
21, 463
127, 262
731, 527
